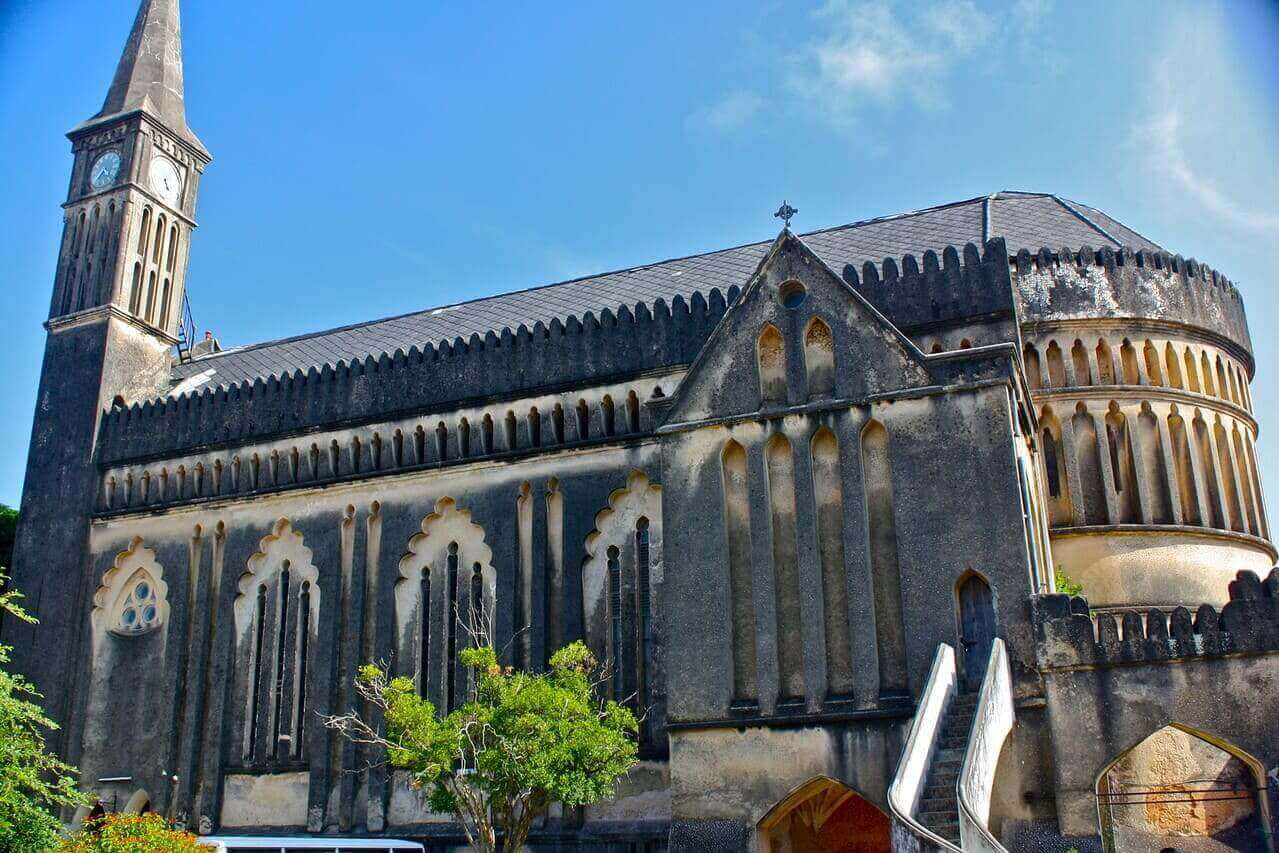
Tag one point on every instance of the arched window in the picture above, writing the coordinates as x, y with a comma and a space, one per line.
438, 608
608, 412
164, 305
1152, 364
511, 430
829, 500
632, 412
173, 249
150, 313
557, 423
144, 232
464, 438
583, 421
1030, 360
159, 240
737, 529
1128, 358
486, 427
1056, 367
1192, 375
1205, 374
616, 592
1173, 364
424, 632
1105, 363
1187, 489
441, 441
877, 482
819, 358
772, 365
780, 463
1079, 361
621, 669
135, 290
535, 427
1088, 457
276, 610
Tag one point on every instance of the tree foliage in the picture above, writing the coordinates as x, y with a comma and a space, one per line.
131, 833
498, 762
33, 782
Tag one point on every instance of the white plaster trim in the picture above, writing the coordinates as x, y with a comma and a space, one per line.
116, 583
921, 745
991, 724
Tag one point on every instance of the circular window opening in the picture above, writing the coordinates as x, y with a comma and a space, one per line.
792, 294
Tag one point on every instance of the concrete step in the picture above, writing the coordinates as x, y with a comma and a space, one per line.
944, 776
943, 804
959, 742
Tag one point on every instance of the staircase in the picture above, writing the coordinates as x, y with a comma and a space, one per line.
939, 807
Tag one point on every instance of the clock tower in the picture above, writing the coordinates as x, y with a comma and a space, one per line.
115, 316
131, 204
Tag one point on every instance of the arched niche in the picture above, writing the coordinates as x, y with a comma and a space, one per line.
824, 816
1180, 787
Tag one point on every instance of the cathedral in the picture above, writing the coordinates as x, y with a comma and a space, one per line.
812, 499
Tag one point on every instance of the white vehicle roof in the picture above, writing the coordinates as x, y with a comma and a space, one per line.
304, 842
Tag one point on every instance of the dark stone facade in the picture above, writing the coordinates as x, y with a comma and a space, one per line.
762, 497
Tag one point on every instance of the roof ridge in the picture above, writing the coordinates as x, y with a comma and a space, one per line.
1072, 202
214, 356
1087, 220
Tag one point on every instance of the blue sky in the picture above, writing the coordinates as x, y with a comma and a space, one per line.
371, 161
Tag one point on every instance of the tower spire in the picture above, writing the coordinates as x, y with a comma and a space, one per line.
149, 76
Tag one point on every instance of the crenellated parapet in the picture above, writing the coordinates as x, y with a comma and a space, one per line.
960, 284
1088, 284
434, 378
1070, 636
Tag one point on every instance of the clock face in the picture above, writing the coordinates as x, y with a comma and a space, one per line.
165, 180
105, 170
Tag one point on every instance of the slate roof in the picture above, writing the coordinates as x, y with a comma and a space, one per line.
1024, 220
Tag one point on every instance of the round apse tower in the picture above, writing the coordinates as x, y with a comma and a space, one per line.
1139, 365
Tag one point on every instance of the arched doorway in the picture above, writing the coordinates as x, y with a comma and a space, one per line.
976, 628
825, 816
1186, 790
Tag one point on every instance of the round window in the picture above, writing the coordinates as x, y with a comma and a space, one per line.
142, 591
791, 294
129, 617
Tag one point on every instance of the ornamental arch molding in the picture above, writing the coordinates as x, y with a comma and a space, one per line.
621, 573
445, 569
132, 598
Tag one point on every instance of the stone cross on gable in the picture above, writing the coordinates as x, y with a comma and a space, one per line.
785, 212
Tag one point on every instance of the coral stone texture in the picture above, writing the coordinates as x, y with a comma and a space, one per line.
792, 492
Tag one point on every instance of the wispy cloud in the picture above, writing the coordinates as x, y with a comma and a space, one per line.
875, 51
1185, 99
730, 112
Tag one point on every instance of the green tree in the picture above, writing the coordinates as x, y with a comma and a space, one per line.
33, 782
497, 763
8, 530
131, 833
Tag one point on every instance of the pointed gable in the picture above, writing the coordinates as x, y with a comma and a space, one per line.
798, 333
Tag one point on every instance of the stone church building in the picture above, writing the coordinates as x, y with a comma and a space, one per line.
807, 497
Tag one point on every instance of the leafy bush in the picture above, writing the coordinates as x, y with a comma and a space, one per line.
34, 783
131, 833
